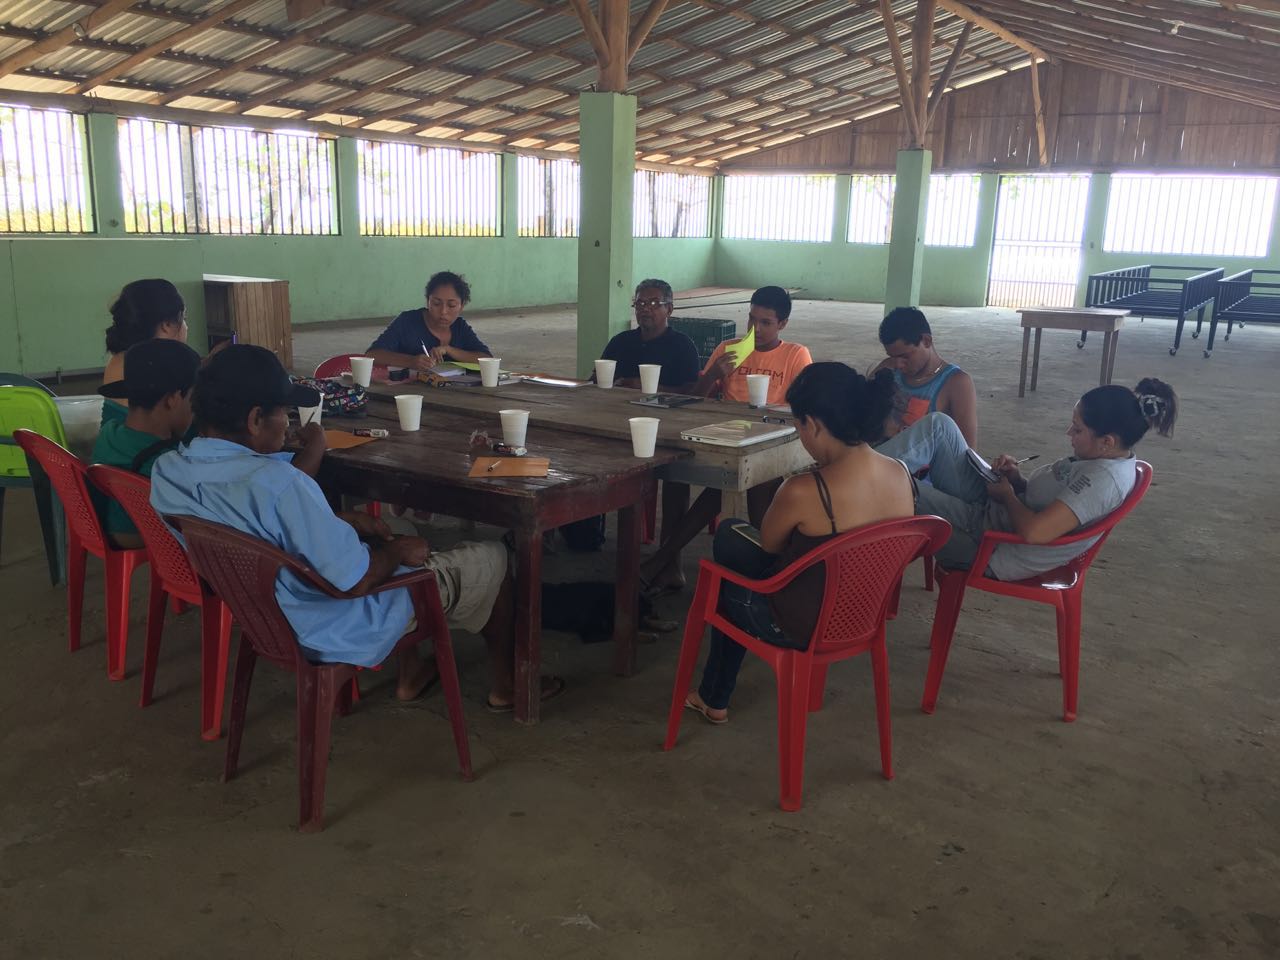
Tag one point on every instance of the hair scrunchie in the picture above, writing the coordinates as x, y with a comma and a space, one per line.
1150, 404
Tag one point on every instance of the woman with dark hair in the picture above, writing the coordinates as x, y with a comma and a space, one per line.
1053, 501
145, 310
838, 413
421, 338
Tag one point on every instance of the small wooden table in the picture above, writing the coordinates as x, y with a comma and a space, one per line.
1091, 319
428, 469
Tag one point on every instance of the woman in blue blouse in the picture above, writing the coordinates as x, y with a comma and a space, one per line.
422, 338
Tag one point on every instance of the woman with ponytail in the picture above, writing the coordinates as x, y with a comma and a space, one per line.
839, 414
1051, 502
145, 310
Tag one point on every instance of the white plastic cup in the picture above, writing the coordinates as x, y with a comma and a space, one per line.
644, 435
604, 373
757, 389
309, 414
409, 406
362, 370
650, 373
490, 367
515, 424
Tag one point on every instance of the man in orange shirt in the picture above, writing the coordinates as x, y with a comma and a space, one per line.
782, 361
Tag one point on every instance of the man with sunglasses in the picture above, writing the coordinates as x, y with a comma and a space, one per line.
652, 341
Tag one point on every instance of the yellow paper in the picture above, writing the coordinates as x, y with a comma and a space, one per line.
473, 367
742, 349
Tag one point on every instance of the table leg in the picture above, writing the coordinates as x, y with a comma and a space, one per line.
1107, 337
1035, 360
626, 603
733, 503
528, 627
1022, 377
1111, 364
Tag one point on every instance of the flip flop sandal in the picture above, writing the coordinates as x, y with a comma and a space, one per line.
554, 688
422, 694
705, 711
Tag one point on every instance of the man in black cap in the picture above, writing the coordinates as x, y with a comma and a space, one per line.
158, 376
235, 473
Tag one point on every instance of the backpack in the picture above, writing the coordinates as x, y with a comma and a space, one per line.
338, 398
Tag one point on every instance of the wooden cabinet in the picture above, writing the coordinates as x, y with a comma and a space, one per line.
253, 310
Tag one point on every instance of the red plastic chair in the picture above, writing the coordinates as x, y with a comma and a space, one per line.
84, 535
242, 569
337, 366
863, 566
1062, 588
172, 577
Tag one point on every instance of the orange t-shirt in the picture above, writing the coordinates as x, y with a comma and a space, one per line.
782, 364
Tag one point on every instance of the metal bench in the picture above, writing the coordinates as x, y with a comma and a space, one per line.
1252, 295
1173, 293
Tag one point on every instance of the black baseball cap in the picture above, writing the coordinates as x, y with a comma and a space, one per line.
243, 376
154, 369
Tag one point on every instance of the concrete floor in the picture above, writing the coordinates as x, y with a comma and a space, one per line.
1150, 828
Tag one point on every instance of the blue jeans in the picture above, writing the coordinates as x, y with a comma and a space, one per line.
954, 490
742, 607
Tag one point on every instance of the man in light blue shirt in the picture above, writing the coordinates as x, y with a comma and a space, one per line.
234, 473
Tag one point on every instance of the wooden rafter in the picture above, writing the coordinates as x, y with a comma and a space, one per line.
948, 71
1037, 106
922, 59
640, 32
986, 23
64, 37
900, 68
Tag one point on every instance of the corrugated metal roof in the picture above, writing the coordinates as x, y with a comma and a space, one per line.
737, 62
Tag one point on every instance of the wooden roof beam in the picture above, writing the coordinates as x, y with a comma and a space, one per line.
986, 23
944, 78
900, 68
64, 37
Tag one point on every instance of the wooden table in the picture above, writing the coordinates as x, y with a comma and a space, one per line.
589, 475
1086, 320
591, 411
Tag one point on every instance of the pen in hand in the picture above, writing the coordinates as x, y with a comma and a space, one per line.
1027, 459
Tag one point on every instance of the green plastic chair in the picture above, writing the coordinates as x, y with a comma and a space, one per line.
33, 408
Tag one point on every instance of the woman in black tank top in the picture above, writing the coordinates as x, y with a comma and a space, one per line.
850, 409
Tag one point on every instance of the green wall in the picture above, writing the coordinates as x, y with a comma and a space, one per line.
839, 270
55, 291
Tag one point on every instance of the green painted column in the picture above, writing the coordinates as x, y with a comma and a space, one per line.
348, 174
906, 238
1095, 224
510, 226
605, 245
104, 174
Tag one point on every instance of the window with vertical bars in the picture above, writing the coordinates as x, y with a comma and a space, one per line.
44, 172
548, 197
178, 178
786, 207
669, 204
870, 207
412, 191
951, 219
1228, 216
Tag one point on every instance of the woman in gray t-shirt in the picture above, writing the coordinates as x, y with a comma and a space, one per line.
1055, 500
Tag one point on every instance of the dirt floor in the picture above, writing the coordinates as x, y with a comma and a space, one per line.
1150, 828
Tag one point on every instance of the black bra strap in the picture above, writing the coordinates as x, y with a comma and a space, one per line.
825, 496
157, 448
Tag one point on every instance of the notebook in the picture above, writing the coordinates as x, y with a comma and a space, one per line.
665, 400
737, 433
981, 467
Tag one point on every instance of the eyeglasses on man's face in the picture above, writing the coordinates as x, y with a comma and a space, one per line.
650, 304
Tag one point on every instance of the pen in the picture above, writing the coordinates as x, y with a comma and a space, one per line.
772, 420
492, 467
1026, 459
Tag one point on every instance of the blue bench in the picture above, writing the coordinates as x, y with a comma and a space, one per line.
1252, 295
1173, 292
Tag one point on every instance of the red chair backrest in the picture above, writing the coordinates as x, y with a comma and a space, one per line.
242, 571
69, 479
133, 492
1102, 528
337, 366
864, 566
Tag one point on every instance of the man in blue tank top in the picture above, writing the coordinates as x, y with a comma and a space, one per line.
925, 382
